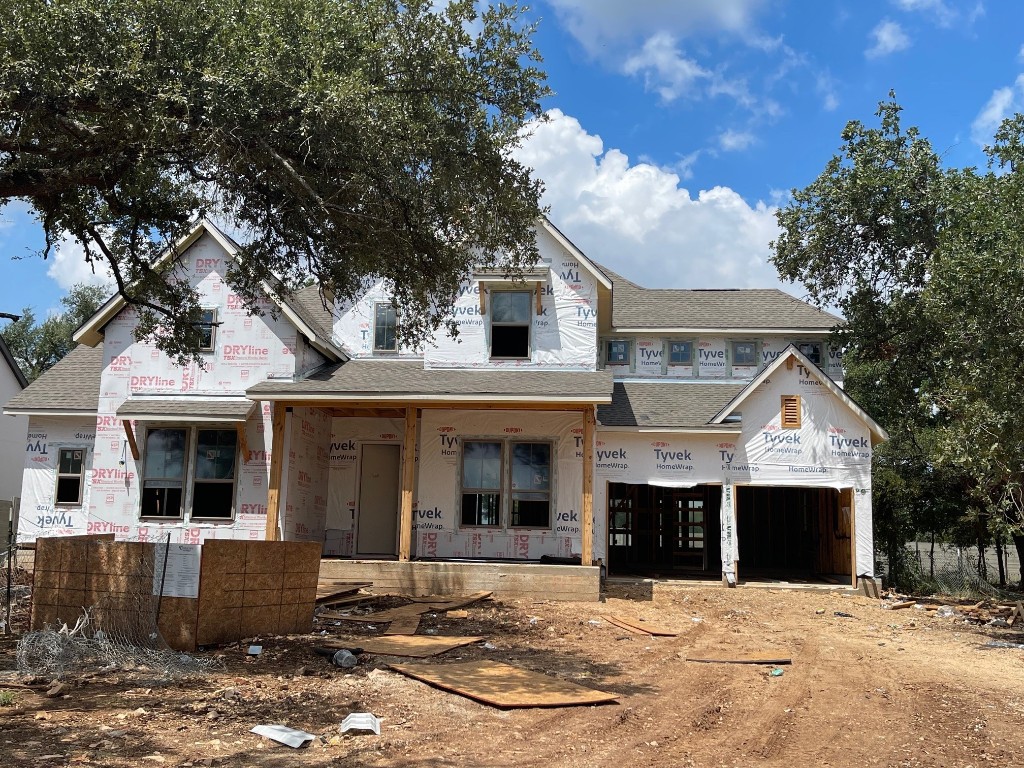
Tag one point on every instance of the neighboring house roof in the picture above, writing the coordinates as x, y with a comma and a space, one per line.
5, 352
669, 404
297, 307
878, 434
69, 388
406, 380
636, 309
143, 408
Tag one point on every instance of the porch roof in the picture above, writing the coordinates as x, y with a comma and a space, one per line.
185, 409
407, 381
669, 404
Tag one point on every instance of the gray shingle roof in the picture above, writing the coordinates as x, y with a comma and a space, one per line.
306, 303
760, 308
666, 404
72, 385
390, 378
158, 409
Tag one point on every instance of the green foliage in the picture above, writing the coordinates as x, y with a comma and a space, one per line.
8, 698
345, 139
37, 346
926, 265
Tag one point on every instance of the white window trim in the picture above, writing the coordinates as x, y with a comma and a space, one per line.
732, 354
81, 477
377, 349
492, 323
213, 329
192, 444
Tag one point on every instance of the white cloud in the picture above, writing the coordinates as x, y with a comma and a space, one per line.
1003, 103
68, 267
940, 13
735, 141
665, 68
889, 38
637, 219
825, 86
595, 23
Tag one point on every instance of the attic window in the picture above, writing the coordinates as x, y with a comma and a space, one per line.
791, 411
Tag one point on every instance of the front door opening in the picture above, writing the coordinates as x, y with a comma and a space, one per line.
656, 531
377, 513
794, 534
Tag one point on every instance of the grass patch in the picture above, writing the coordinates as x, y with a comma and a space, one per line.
8, 698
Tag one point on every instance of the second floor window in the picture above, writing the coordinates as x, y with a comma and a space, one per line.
510, 324
70, 474
680, 353
811, 350
385, 328
744, 353
618, 352
208, 330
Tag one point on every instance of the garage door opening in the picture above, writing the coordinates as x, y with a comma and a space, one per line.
794, 534
655, 531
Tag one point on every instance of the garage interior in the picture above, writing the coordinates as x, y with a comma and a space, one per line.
664, 532
794, 534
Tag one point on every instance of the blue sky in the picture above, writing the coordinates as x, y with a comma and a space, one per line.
678, 126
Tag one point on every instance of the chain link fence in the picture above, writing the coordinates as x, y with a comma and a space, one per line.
956, 571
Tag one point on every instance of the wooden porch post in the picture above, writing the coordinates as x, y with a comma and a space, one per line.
276, 467
847, 496
587, 507
408, 483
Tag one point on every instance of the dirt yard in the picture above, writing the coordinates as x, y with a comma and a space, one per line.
883, 688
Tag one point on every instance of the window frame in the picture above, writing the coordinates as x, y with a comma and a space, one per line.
377, 305
821, 350
80, 475
188, 479
629, 351
732, 354
506, 491
492, 323
691, 343
212, 325
478, 491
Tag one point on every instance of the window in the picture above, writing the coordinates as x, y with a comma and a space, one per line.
486, 481
385, 328
618, 352
168, 472
791, 411
811, 350
680, 353
213, 489
744, 353
70, 472
510, 324
531, 485
481, 483
207, 330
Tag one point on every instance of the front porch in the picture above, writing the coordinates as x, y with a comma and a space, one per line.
526, 581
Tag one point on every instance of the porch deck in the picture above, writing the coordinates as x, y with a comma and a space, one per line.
530, 581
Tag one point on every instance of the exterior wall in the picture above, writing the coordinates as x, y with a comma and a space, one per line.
711, 357
831, 449
12, 437
304, 503
248, 350
436, 528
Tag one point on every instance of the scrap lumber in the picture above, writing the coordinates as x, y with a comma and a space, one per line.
900, 606
326, 591
413, 646
639, 628
415, 609
752, 659
1016, 614
404, 625
502, 685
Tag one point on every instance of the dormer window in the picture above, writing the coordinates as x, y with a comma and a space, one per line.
510, 324
385, 328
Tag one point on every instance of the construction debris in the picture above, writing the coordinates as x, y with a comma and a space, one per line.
284, 735
361, 721
754, 659
413, 646
638, 627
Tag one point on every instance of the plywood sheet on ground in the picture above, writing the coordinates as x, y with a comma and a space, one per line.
502, 685
404, 625
327, 591
757, 658
413, 646
640, 627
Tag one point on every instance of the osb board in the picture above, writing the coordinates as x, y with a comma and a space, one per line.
639, 627
177, 622
252, 588
406, 625
502, 685
413, 646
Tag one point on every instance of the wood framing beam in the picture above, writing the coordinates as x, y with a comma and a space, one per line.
848, 497
243, 440
539, 295
467, 405
379, 413
276, 470
483, 299
130, 434
408, 485
587, 506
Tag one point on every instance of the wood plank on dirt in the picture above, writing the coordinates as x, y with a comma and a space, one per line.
415, 609
902, 605
326, 591
640, 627
413, 646
751, 659
404, 625
502, 685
